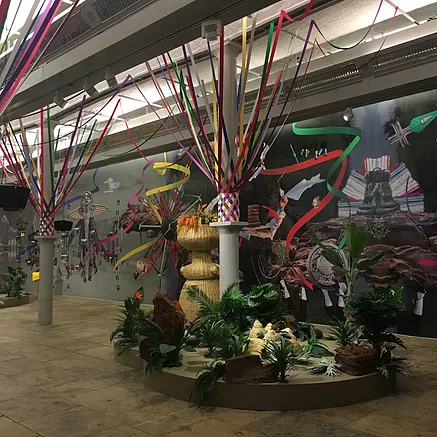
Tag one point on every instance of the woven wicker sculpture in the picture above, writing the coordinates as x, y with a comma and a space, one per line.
202, 272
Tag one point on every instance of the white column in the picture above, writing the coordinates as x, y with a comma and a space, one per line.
229, 234
46, 243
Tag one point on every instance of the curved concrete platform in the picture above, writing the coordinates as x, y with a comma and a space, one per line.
129, 358
9, 302
303, 391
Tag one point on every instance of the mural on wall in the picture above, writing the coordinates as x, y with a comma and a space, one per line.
386, 191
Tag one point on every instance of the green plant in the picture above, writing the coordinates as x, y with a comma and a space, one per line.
344, 332
282, 355
210, 335
315, 348
127, 334
168, 351
325, 367
376, 310
240, 309
14, 280
206, 380
392, 364
356, 243
302, 330
232, 343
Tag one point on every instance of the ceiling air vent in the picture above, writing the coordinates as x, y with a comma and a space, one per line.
398, 58
106, 9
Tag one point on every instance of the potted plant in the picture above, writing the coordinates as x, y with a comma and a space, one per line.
195, 235
13, 287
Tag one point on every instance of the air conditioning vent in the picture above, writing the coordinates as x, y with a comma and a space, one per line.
106, 9
407, 55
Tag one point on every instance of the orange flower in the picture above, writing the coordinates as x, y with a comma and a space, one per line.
138, 295
177, 306
198, 320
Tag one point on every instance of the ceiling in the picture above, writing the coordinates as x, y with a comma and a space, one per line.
342, 22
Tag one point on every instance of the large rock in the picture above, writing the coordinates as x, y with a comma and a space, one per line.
168, 314
357, 360
249, 369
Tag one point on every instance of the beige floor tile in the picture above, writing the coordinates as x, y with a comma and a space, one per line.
71, 389
99, 352
47, 355
157, 411
172, 422
49, 374
8, 428
20, 366
345, 415
6, 356
117, 400
4, 340
386, 426
34, 405
210, 428
235, 417
130, 380
122, 431
77, 422
10, 388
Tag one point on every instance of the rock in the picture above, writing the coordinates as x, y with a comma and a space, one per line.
357, 360
257, 327
289, 320
168, 314
288, 333
272, 336
249, 369
319, 332
256, 345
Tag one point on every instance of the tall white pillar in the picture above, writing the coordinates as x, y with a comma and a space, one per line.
46, 242
229, 230
229, 234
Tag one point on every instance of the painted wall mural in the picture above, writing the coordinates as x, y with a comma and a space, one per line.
385, 182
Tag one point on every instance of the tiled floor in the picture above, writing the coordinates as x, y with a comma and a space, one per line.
61, 381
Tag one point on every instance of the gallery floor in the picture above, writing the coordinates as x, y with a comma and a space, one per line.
61, 380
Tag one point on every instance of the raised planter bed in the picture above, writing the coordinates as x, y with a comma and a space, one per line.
8, 302
129, 358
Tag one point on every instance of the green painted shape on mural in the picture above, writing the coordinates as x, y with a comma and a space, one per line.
418, 124
334, 130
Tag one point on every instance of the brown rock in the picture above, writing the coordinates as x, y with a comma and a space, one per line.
319, 332
168, 314
249, 369
289, 320
357, 360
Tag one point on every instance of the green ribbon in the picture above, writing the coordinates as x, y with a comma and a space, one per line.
336, 130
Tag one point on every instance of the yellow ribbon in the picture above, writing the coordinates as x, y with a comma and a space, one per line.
160, 168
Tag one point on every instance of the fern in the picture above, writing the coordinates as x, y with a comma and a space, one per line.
206, 305
206, 380
325, 367
344, 332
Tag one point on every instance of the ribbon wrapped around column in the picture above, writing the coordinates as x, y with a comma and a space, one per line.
229, 207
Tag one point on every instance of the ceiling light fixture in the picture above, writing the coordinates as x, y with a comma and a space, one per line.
90, 89
60, 101
348, 114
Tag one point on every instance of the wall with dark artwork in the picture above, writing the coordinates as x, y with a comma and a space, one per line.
390, 182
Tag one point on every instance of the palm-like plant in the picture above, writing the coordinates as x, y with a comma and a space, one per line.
356, 243
127, 334
282, 355
210, 336
325, 367
344, 332
14, 279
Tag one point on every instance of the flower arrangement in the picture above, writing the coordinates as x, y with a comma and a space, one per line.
199, 216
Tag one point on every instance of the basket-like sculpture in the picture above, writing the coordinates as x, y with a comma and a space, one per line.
202, 272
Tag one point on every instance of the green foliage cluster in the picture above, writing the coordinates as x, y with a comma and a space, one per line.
239, 309
131, 323
345, 332
356, 243
14, 279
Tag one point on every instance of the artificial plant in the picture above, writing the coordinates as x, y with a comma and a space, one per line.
345, 332
14, 279
128, 332
356, 243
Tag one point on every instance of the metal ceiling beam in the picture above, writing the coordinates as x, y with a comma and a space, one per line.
151, 31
